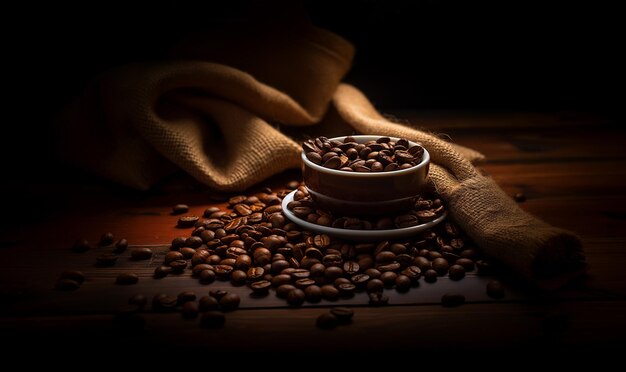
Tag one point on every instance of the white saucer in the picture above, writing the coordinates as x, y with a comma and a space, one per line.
348, 234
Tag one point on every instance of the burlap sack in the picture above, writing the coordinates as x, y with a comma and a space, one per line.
238, 119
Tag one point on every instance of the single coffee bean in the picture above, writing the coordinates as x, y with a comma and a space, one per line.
375, 285
440, 265
452, 300
519, 197
456, 272
194, 241
141, 253
388, 278
127, 279
346, 289
467, 264
187, 221
178, 243
180, 209
213, 319
378, 299
75, 275
218, 293
178, 266
81, 245
344, 314
185, 296
121, 246
208, 303
190, 310
313, 293
162, 271
230, 302
238, 277
106, 239
187, 252
283, 290
330, 293
163, 302
495, 289
327, 321
403, 283
295, 297
261, 287
138, 300
67, 285
209, 211
303, 283
430, 276
172, 256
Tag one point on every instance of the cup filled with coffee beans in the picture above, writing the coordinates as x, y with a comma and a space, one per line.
364, 174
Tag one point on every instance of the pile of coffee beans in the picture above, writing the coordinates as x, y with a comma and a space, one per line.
425, 210
382, 155
253, 244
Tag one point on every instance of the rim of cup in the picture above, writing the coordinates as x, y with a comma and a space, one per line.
365, 138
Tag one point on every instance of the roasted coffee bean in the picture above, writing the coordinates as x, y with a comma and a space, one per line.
194, 241
187, 252
213, 319
106, 239
360, 280
255, 273
467, 264
378, 299
208, 303
519, 197
178, 266
456, 272
373, 273
303, 283
207, 276
162, 271
283, 290
346, 289
261, 287
313, 293
141, 253
138, 300
187, 221
67, 285
127, 279
495, 289
330, 293
209, 211
452, 300
223, 271
238, 277
351, 267
81, 245
163, 302
106, 259
430, 276
321, 241
230, 302
413, 273
327, 321
440, 265
180, 209
388, 278
190, 310
296, 297
403, 283
375, 285
121, 246
178, 243
172, 256
281, 279
185, 296
344, 314
218, 293
75, 275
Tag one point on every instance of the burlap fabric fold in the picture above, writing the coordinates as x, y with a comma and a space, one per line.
230, 110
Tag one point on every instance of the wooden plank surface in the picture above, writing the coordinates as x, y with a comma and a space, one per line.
570, 166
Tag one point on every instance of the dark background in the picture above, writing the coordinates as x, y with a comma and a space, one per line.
437, 54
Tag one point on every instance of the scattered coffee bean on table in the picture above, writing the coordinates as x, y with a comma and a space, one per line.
121, 246
180, 209
141, 253
106, 239
127, 279
187, 221
344, 314
138, 300
81, 245
495, 289
382, 155
327, 321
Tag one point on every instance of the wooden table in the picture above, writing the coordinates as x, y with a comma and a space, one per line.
569, 165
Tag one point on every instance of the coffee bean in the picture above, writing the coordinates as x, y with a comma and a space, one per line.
440, 265
519, 197
81, 245
295, 297
230, 302
375, 285
172, 256
178, 266
344, 314
127, 279
346, 289
313, 293
138, 300
185, 296
106, 239
213, 319
67, 285
75, 275
456, 272
484, 267
121, 246
177, 243
430, 276
209, 211
327, 321
403, 283
187, 252
217, 293
180, 209
163, 302
495, 289
261, 287
283, 290
378, 299
141, 253
190, 310
388, 278
452, 300
208, 303
238, 277
187, 221
162, 272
